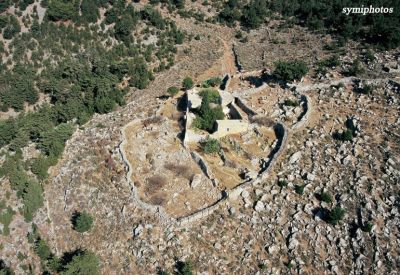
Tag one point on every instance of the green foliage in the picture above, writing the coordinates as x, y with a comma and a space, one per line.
185, 268
367, 89
17, 87
206, 115
5, 270
6, 215
52, 141
335, 215
42, 250
290, 102
211, 95
355, 68
367, 227
82, 222
380, 29
32, 199
90, 11
172, 91
187, 83
291, 70
11, 26
282, 183
326, 197
347, 135
61, 10
212, 82
299, 189
211, 146
83, 263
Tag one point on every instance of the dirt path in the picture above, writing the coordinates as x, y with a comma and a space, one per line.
228, 60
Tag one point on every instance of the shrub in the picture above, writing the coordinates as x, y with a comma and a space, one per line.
367, 227
299, 189
367, 89
82, 222
172, 90
335, 215
82, 263
184, 268
6, 215
347, 135
326, 197
369, 55
290, 102
211, 146
206, 115
355, 69
291, 70
187, 83
32, 199
211, 95
60, 10
5, 270
212, 82
282, 183
42, 250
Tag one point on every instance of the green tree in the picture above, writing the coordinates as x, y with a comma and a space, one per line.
32, 199
172, 91
82, 222
291, 70
83, 263
335, 215
60, 10
187, 83
211, 146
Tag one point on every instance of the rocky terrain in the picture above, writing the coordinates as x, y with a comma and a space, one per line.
280, 225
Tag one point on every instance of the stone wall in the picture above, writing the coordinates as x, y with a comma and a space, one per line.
305, 116
158, 211
234, 193
244, 107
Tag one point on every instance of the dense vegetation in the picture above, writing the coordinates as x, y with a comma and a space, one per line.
70, 70
290, 70
380, 29
76, 262
209, 111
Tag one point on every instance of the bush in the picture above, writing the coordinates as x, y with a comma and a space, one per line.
355, 69
60, 10
289, 71
282, 183
211, 95
206, 115
367, 89
211, 146
347, 135
326, 197
187, 83
172, 91
367, 227
42, 250
184, 268
292, 103
212, 82
335, 215
32, 199
5, 270
82, 222
82, 263
299, 189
